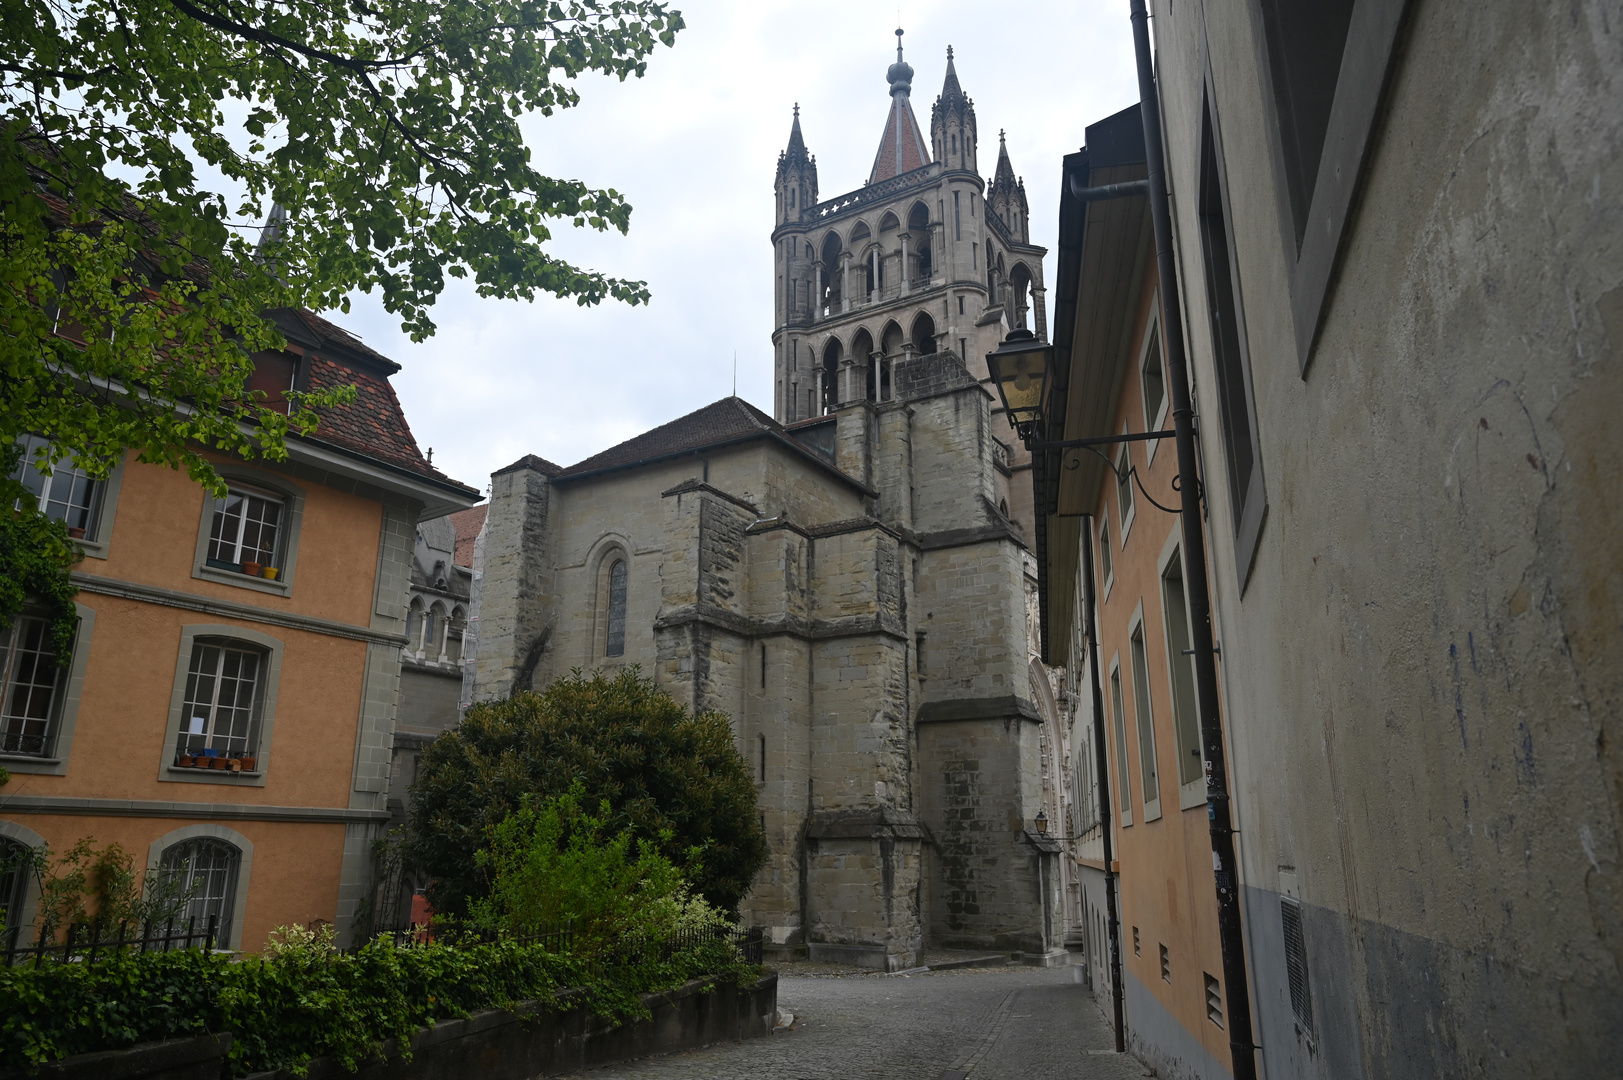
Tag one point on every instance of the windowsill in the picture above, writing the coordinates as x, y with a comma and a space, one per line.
28, 759
191, 775
279, 587
1192, 796
1152, 813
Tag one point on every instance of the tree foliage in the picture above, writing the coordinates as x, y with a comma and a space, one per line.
35, 557
142, 141
673, 778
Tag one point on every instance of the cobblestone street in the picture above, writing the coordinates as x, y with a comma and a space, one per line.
1013, 1023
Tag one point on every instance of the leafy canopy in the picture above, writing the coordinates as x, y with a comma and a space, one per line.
674, 779
389, 133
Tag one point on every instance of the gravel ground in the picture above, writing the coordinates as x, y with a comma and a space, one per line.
1009, 1023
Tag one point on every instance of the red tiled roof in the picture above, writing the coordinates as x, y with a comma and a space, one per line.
467, 524
723, 421
902, 149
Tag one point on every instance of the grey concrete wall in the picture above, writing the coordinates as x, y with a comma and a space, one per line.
1422, 675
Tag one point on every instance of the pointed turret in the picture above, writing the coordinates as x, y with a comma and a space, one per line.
902, 148
952, 123
1007, 195
796, 185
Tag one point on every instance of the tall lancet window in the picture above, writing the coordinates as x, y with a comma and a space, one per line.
616, 643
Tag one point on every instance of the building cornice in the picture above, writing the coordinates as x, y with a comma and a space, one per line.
208, 605
150, 808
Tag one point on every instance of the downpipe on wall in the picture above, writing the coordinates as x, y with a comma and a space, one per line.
1101, 764
1229, 930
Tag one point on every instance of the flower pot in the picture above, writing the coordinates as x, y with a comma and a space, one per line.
76, 533
251, 569
249, 764
269, 573
186, 760
219, 763
235, 764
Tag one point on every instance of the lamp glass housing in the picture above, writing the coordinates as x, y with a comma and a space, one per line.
1020, 369
1042, 822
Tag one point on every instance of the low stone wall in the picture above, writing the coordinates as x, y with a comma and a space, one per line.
529, 1041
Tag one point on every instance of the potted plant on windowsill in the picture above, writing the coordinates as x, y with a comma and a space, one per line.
250, 763
269, 573
75, 532
252, 569
186, 759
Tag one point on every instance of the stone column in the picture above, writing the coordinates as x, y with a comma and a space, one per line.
1040, 306
845, 281
873, 275
817, 297
905, 267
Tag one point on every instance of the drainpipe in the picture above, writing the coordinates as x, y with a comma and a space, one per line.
1229, 932
1102, 767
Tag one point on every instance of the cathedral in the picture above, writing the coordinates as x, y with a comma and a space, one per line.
850, 579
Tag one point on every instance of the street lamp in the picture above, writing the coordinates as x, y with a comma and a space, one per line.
1020, 369
1042, 822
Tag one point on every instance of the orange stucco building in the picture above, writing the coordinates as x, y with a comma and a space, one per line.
227, 713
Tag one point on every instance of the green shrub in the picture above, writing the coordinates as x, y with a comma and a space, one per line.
302, 1000
669, 776
553, 862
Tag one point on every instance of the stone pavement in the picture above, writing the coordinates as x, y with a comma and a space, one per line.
1010, 1023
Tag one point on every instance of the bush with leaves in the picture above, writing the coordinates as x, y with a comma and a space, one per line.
670, 777
86, 884
303, 1000
553, 862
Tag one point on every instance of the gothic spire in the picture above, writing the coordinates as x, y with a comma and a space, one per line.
950, 88
1005, 170
902, 148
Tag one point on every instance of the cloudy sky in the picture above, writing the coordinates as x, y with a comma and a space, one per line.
694, 147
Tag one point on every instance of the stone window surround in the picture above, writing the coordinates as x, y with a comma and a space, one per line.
1152, 328
1152, 807
96, 540
1108, 571
600, 560
1129, 513
292, 524
22, 834
168, 771
245, 864
67, 709
1192, 794
1118, 727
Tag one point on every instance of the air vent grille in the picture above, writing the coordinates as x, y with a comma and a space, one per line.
1214, 999
1290, 917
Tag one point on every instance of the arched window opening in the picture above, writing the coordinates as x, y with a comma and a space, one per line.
414, 625
832, 354
1003, 507
862, 355
456, 634
15, 859
832, 278
434, 630
763, 758
892, 350
1020, 296
791, 198
955, 142
205, 870
924, 334
615, 645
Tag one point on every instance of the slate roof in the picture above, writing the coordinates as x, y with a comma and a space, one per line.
467, 524
727, 420
902, 148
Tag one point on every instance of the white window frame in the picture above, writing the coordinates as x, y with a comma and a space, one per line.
1108, 558
1152, 331
245, 865
1145, 717
271, 675
64, 706
104, 503
28, 909
1123, 765
1191, 794
1126, 505
255, 482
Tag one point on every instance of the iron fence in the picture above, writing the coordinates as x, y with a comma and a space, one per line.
88, 942
560, 938
554, 937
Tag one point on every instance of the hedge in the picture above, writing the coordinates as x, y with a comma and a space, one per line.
285, 1010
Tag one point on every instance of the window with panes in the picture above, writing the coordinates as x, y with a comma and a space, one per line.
16, 861
224, 693
205, 870
247, 528
616, 642
64, 491
32, 687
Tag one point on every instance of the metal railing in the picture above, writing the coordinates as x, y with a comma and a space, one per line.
556, 937
88, 942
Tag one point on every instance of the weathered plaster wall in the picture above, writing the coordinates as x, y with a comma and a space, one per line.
1423, 674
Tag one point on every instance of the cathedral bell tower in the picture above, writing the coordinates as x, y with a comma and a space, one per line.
796, 185
952, 123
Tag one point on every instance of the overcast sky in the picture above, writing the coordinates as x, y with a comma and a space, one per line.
693, 146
